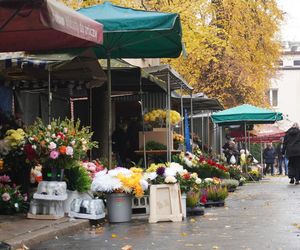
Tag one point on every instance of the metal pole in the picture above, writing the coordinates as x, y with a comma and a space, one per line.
143, 123
181, 110
245, 137
91, 117
109, 111
202, 130
192, 125
168, 121
49, 97
208, 137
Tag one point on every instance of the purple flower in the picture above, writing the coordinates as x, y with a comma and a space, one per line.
54, 154
160, 171
4, 179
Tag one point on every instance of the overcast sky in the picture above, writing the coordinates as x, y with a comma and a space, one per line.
291, 28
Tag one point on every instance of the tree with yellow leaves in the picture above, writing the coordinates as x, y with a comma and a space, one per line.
231, 45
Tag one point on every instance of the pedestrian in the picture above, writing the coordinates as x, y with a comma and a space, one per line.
291, 149
281, 159
269, 155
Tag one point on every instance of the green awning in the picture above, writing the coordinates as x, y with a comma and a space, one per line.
130, 33
246, 114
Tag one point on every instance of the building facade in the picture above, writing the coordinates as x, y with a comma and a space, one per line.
284, 92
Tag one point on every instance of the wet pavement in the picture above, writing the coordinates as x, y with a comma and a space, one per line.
264, 215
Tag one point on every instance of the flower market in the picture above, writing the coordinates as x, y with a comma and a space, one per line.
88, 135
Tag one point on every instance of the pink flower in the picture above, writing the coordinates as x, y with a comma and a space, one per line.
52, 146
5, 197
4, 179
54, 154
25, 197
69, 151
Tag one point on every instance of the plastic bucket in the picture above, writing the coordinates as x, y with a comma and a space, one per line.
119, 207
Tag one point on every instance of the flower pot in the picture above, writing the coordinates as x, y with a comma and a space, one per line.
74, 195
53, 174
119, 207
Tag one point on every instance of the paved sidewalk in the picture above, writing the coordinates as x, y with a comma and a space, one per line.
258, 216
18, 230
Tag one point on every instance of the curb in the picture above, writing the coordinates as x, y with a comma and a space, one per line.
31, 239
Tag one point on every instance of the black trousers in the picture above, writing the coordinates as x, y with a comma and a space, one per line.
294, 167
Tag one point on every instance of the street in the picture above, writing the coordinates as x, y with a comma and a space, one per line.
262, 215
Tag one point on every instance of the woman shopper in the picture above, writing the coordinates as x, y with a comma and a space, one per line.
269, 158
291, 149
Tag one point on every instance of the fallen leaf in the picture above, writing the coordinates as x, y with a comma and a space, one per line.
215, 247
127, 247
183, 234
192, 220
189, 245
114, 236
227, 226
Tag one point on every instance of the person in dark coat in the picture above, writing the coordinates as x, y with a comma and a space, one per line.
269, 155
281, 159
291, 148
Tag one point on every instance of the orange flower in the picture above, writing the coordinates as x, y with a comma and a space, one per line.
62, 150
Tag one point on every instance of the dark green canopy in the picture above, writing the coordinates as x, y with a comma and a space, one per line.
130, 33
246, 114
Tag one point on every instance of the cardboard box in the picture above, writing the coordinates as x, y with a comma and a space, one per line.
158, 135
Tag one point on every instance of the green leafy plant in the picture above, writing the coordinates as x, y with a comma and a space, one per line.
216, 193
235, 172
229, 184
153, 145
78, 179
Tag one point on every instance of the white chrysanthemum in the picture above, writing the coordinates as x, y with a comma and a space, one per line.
150, 176
198, 181
194, 175
144, 184
177, 167
170, 179
105, 183
49, 127
119, 170
170, 172
208, 180
188, 162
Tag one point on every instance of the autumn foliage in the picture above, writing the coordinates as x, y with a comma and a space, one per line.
231, 45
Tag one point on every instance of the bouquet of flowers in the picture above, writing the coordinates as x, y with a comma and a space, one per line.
164, 173
93, 167
58, 144
11, 199
11, 147
177, 139
119, 180
158, 117
189, 182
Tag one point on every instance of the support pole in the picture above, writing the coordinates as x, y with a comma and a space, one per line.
202, 130
192, 119
208, 136
91, 117
181, 111
169, 120
49, 97
109, 111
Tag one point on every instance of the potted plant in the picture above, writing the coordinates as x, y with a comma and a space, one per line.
119, 185
215, 195
15, 160
57, 146
190, 186
11, 199
230, 184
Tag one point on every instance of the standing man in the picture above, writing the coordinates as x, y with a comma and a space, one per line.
281, 158
291, 148
269, 158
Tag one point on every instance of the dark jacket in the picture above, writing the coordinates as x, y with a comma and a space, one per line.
291, 144
279, 150
269, 155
